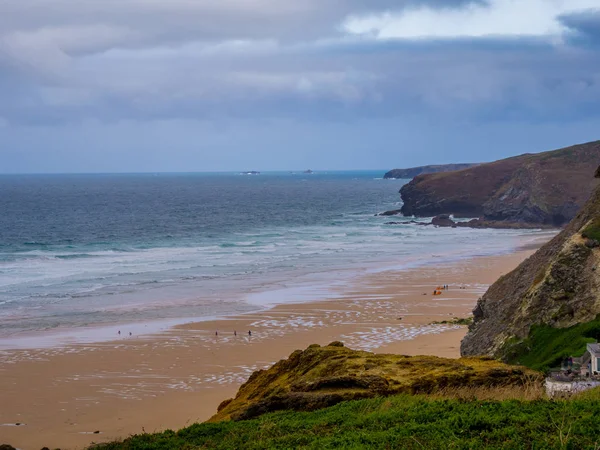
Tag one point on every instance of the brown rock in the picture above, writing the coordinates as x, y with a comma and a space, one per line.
443, 220
545, 188
592, 243
557, 286
395, 212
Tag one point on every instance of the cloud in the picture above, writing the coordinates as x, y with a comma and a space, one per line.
497, 18
585, 28
102, 85
64, 61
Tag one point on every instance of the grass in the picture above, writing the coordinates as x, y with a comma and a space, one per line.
319, 377
456, 321
399, 422
452, 416
592, 231
529, 390
546, 347
455, 416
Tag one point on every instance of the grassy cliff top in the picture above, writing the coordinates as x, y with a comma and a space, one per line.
420, 170
319, 377
398, 422
417, 402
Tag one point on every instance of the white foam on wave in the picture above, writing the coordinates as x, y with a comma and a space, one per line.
298, 264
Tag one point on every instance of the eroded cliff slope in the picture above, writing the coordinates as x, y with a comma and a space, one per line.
545, 188
558, 286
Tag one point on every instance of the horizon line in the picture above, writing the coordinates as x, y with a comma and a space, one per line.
158, 172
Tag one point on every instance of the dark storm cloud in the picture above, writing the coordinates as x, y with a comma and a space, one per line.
585, 27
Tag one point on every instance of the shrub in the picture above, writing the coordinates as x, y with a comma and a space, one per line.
546, 347
592, 231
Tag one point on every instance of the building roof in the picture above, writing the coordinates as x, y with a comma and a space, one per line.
594, 348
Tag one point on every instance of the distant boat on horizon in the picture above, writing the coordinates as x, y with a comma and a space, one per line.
251, 172
308, 171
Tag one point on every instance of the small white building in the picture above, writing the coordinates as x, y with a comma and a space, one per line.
556, 388
594, 352
583, 377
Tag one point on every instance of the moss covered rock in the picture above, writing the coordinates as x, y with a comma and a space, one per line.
319, 377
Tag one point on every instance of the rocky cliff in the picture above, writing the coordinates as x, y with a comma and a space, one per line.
319, 377
412, 172
545, 188
558, 286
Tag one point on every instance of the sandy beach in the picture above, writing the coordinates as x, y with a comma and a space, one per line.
71, 396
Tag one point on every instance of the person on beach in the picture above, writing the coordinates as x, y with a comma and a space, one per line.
119, 332
235, 333
249, 333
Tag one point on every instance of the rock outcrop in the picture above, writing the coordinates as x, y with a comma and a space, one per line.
445, 221
319, 377
406, 174
545, 188
558, 286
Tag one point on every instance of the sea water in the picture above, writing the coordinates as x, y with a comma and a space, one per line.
93, 250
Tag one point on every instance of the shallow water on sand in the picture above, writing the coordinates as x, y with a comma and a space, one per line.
81, 251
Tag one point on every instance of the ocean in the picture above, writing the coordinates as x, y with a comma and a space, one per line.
80, 251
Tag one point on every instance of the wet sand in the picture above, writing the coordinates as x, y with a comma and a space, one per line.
61, 396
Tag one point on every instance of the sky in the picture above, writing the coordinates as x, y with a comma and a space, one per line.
218, 85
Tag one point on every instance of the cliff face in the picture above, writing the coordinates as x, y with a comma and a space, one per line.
546, 188
558, 286
319, 377
406, 174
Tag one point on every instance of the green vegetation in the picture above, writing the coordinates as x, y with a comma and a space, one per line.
592, 231
546, 347
417, 403
399, 422
456, 321
319, 377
